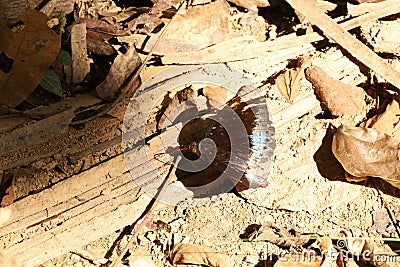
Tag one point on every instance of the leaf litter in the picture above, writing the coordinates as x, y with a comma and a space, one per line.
361, 151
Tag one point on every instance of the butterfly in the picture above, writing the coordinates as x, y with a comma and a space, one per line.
233, 142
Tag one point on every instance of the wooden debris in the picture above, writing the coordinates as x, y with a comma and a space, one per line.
356, 48
80, 60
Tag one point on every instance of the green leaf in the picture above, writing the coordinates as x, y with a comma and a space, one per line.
51, 82
63, 58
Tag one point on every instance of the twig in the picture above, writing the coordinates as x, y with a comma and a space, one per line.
147, 215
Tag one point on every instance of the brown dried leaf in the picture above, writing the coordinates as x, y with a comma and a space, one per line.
189, 32
289, 83
338, 97
146, 23
194, 254
367, 152
120, 71
386, 121
33, 49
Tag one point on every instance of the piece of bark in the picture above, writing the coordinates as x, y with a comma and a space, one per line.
80, 60
350, 43
367, 152
339, 98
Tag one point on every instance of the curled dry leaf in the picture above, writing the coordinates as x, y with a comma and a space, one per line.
289, 82
32, 49
120, 71
339, 98
367, 152
200, 255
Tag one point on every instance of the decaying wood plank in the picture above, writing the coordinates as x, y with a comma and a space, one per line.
356, 48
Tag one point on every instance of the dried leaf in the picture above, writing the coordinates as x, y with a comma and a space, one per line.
180, 97
194, 254
33, 49
386, 121
289, 83
146, 23
367, 152
338, 97
137, 261
189, 32
121, 69
80, 61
